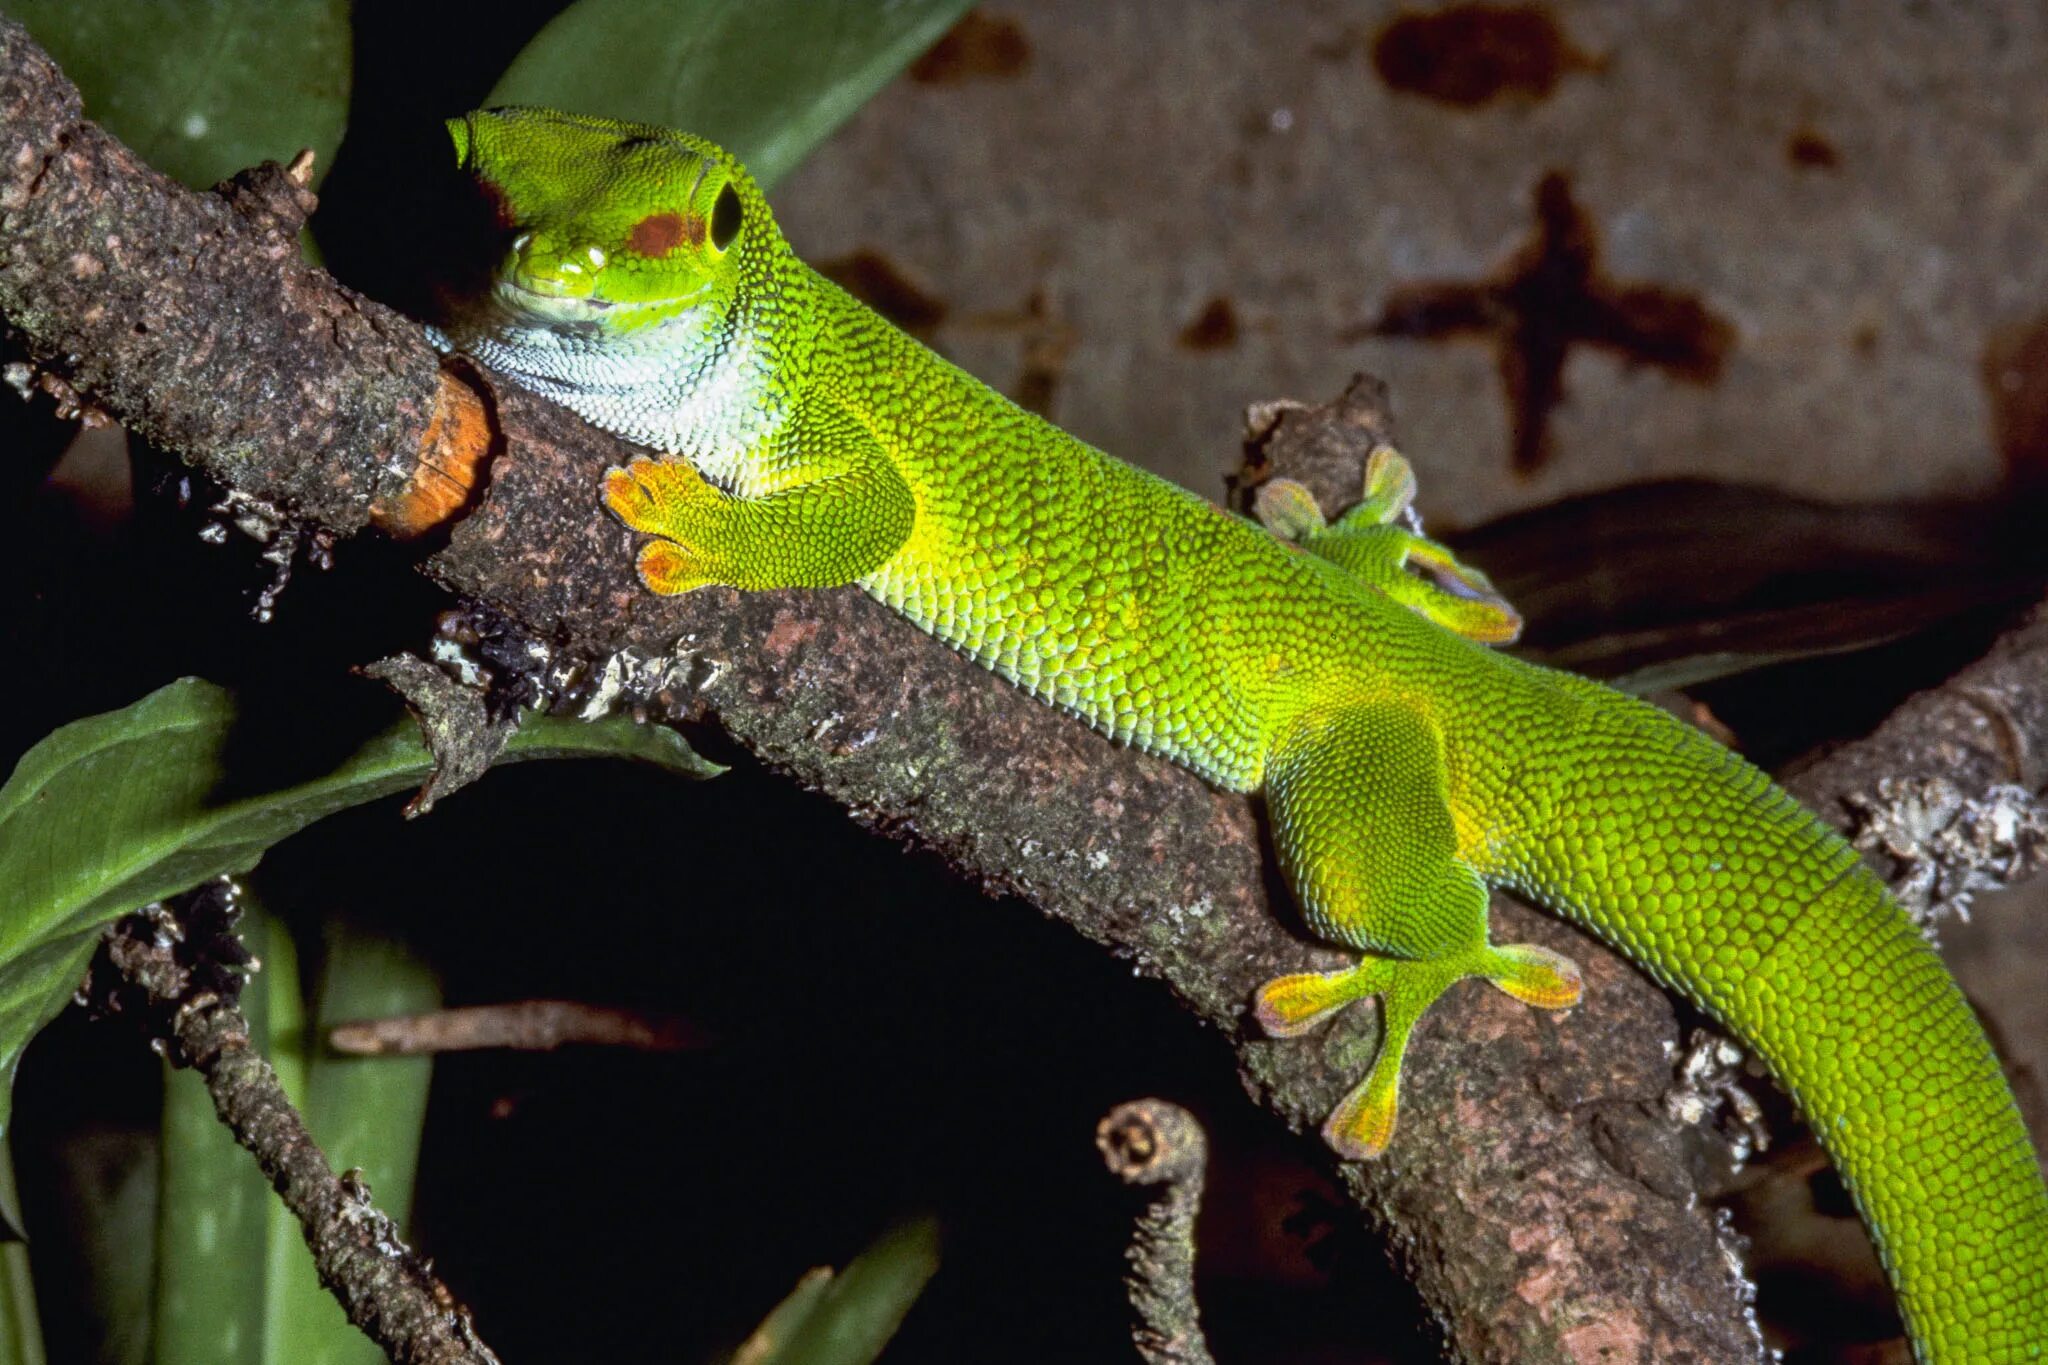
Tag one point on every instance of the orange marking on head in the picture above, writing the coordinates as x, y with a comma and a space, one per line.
660, 233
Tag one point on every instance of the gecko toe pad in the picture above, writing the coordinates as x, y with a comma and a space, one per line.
1288, 1006
628, 492
1389, 488
1288, 510
1537, 976
1360, 1128
669, 568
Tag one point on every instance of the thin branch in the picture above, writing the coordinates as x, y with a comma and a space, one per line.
1159, 1145
190, 317
527, 1025
177, 972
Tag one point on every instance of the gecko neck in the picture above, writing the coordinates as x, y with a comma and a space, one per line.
709, 384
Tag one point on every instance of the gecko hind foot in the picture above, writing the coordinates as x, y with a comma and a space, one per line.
1361, 1126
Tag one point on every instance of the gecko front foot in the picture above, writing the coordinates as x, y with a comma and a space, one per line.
1369, 543
659, 498
668, 568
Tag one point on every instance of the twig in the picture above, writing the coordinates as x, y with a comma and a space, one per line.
1158, 1144
178, 972
529, 1025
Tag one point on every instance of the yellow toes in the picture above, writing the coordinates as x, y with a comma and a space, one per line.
1288, 510
1389, 486
627, 496
1360, 1128
1537, 976
1288, 1006
655, 496
668, 568
1461, 598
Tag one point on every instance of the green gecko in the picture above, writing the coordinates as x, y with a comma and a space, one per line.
1405, 766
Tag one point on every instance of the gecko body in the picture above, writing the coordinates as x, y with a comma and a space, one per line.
1340, 669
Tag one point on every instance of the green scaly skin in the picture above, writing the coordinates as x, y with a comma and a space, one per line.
1405, 766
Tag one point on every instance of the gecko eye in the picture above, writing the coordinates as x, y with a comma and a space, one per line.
725, 218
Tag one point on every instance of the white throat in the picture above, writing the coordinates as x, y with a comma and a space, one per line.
676, 386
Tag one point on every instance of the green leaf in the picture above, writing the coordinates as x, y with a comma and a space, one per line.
21, 1334
366, 1112
765, 79
112, 812
784, 1320
235, 1281
847, 1319
203, 88
212, 1230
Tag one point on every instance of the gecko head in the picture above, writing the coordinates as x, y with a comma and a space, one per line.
610, 225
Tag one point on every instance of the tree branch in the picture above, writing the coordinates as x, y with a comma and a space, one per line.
1534, 1165
1159, 1145
1945, 795
177, 974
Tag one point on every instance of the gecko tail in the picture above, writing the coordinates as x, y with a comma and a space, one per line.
1853, 1010
1731, 892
